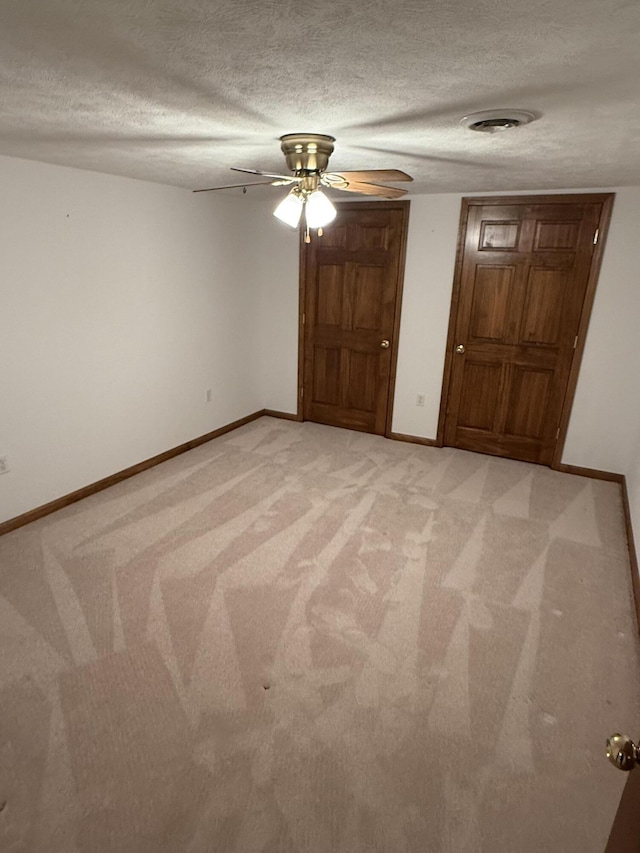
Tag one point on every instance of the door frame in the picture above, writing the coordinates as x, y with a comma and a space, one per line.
404, 207
468, 203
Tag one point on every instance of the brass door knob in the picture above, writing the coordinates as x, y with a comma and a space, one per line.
384, 344
460, 348
622, 752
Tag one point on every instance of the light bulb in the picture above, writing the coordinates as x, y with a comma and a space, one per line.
319, 211
289, 210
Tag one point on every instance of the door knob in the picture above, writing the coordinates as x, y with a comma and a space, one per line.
622, 752
460, 348
384, 344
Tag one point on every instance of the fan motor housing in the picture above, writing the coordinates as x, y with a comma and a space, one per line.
307, 152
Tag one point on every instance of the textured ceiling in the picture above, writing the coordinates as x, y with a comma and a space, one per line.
177, 92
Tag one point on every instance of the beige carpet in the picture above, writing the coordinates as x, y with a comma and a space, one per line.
297, 638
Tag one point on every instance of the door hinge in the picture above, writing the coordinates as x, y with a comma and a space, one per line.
304, 318
558, 433
575, 343
302, 392
595, 236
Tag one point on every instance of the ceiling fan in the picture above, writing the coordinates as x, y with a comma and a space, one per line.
307, 156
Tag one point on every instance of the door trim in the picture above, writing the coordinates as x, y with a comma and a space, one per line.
403, 207
468, 203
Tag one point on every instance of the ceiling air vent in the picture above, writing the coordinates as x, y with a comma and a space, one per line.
495, 121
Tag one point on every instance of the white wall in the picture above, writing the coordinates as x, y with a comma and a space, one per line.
276, 270
605, 422
121, 302
605, 419
426, 303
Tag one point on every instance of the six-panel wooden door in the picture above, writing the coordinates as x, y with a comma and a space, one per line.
352, 283
523, 277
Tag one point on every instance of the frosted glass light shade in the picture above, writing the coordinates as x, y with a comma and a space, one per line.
289, 210
320, 211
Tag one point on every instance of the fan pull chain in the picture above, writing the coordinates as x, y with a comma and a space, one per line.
307, 236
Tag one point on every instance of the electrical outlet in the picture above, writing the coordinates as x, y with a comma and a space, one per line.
420, 400
4, 464
209, 395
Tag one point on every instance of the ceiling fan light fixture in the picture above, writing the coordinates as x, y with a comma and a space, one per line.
319, 210
290, 208
307, 156
496, 121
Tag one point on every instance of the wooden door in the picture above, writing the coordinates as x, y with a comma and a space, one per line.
625, 832
352, 287
525, 269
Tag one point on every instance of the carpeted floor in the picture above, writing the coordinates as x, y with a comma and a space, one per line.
297, 638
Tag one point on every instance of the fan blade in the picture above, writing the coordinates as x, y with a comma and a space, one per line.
375, 175
235, 186
262, 174
371, 189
